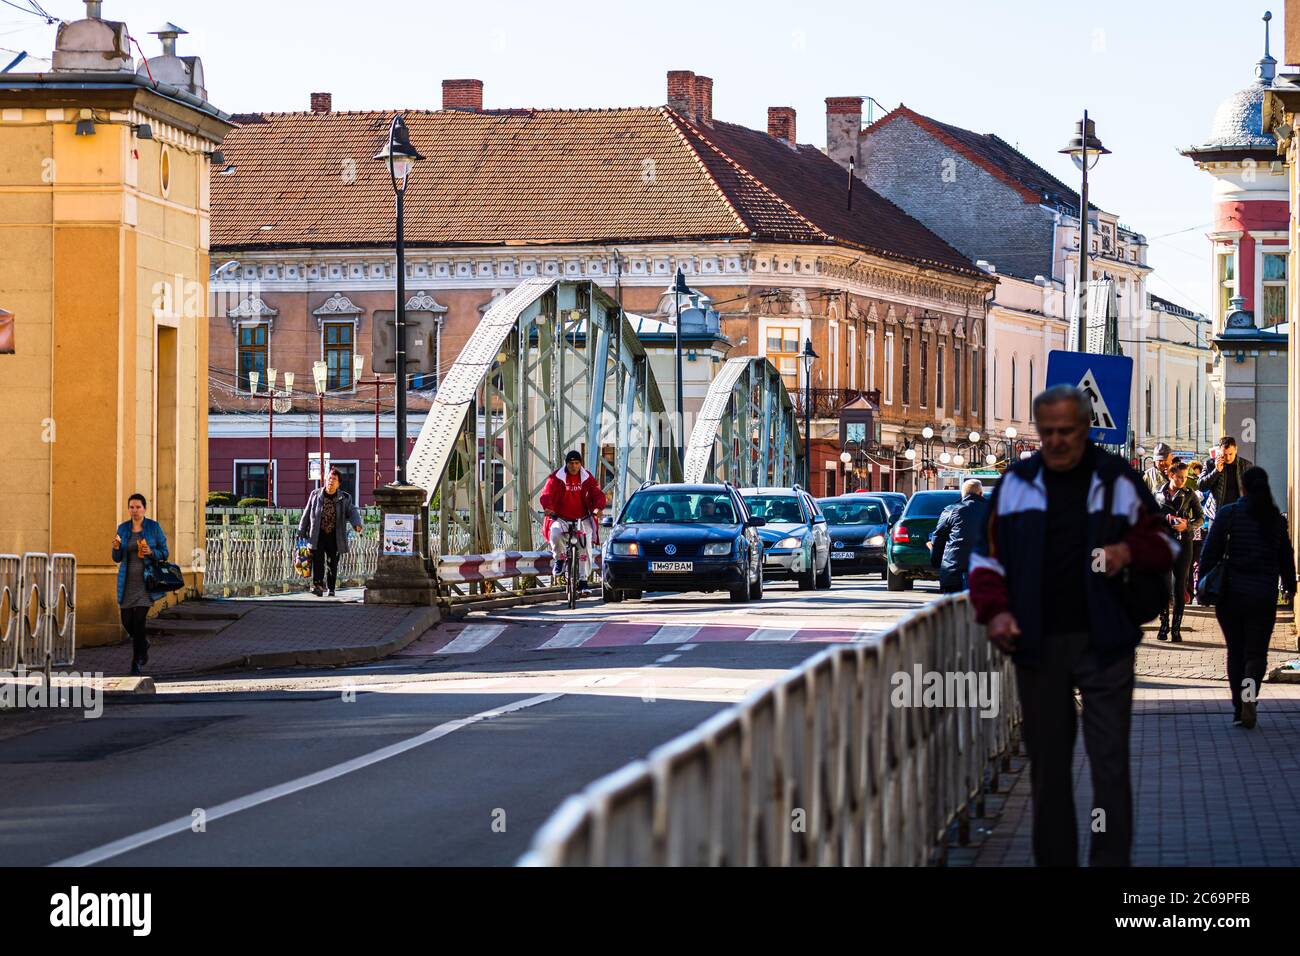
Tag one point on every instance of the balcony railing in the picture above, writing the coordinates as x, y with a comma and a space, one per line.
828, 402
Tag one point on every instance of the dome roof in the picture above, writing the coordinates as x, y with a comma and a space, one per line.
1238, 122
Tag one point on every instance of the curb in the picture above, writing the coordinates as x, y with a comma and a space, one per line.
416, 623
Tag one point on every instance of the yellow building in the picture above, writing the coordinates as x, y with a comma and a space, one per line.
104, 172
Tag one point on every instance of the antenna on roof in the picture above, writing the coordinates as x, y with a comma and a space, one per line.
850, 209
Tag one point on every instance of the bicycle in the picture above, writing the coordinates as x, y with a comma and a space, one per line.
575, 542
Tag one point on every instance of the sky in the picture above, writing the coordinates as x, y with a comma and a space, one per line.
1150, 73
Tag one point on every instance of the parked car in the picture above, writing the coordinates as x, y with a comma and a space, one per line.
858, 526
796, 544
895, 502
906, 556
679, 537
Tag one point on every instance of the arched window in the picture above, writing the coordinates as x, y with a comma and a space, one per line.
1178, 408
996, 403
1029, 393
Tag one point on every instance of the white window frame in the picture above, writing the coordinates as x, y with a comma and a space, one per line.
270, 364
957, 359
870, 369
1262, 250
852, 333
996, 403
275, 475
324, 321
889, 367
833, 353
1220, 300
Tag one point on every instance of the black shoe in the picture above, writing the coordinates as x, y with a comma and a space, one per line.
1176, 638
1248, 714
1163, 634
331, 592
317, 590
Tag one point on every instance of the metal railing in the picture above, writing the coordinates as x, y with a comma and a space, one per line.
829, 766
827, 402
38, 610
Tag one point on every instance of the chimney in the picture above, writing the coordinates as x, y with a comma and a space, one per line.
704, 100
681, 91
462, 95
843, 124
780, 123
322, 102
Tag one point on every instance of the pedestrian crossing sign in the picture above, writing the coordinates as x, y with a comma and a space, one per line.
1106, 379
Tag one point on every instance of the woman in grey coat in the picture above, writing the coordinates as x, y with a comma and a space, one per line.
324, 524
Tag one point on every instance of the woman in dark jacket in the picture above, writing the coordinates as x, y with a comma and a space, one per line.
1182, 510
138, 539
324, 524
1250, 538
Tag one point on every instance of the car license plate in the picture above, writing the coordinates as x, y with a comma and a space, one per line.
657, 566
842, 555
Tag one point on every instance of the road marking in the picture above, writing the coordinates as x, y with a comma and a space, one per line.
183, 824
688, 647
572, 635
773, 634
867, 634
475, 637
726, 683
667, 657
673, 634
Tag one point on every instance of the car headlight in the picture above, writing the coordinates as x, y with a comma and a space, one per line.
790, 543
717, 548
625, 548
876, 540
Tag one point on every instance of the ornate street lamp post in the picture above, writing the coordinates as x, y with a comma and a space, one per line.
808, 357
1085, 149
319, 375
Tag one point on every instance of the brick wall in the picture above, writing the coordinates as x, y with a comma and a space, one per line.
977, 213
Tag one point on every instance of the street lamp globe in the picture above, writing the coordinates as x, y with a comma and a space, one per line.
910, 454
1025, 454
1084, 147
1011, 432
845, 457
319, 370
990, 459
398, 155
974, 438
288, 381
958, 460
253, 379
808, 356
927, 432
944, 458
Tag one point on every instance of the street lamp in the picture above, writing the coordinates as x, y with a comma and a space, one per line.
845, 458
1085, 149
808, 357
319, 374
680, 289
400, 157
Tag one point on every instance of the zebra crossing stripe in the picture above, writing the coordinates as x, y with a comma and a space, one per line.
473, 638
674, 634
571, 635
773, 634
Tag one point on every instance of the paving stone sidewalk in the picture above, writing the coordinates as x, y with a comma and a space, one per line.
1206, 793
275, 633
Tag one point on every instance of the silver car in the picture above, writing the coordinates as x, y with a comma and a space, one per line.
796, 541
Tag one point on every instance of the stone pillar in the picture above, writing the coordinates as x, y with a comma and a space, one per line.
402, 578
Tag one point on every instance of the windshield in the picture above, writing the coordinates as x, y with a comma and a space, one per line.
776, 508
853, 512
930, 504
679, 507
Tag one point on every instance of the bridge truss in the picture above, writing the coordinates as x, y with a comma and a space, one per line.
747, 430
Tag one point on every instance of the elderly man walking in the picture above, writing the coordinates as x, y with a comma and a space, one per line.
1063, 524
958, 529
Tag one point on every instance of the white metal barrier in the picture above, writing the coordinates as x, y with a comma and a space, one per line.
38, 610
10, 602
832, 765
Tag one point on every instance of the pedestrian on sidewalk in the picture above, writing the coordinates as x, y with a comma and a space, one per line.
1155, 476
1224, 472
1043, 581
138, 539
960, 524
324, 524
1250, 539
1182, 510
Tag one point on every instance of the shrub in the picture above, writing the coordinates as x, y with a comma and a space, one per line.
221, 499
254, 503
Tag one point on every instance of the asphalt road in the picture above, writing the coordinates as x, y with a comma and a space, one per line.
453, 753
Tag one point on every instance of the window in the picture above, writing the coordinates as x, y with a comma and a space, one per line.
871, 359
853, 357
889, 368
996, 403
956, 377
1178, 408
925, 369
783, 350
938, 376
833, 354
1273, 306
1227, 283
1029, 392
907, 370
1014, 392
250, 480
338, 355
252, 352
975, 380
1149, 429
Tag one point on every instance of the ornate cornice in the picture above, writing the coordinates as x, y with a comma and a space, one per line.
252, 307
423, 302
337, 306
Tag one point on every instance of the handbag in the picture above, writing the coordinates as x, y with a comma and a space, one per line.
1142, 594
163, 576
302, 560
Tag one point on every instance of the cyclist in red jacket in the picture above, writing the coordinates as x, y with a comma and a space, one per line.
571, 495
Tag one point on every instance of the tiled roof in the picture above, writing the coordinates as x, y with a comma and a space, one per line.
994, 154
544, 177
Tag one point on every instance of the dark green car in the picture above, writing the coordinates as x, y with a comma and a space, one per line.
907, 559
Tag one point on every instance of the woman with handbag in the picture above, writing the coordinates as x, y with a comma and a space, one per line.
1182, 511
1247, 553
324, 526
138, 543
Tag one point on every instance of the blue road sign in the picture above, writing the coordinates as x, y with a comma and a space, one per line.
1107, 379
